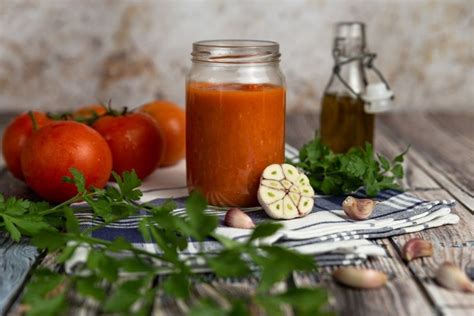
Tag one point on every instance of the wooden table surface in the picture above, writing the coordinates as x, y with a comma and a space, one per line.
439, 165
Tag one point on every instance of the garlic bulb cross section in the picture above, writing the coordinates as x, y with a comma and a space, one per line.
285, 192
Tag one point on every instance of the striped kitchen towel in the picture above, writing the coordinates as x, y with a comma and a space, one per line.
327, 233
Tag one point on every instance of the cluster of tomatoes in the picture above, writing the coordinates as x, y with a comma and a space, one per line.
95, 140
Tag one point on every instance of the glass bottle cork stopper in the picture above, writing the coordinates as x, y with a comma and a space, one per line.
377, 97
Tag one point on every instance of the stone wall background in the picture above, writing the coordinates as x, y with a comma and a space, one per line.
58, 54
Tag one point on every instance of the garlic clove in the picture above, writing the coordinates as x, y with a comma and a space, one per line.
358, 209
291, 173
452, 277
269, 196
360, 278
273, 172
307, 190
303, 180
285, 199
235, 217
275, 209
286, 184
273, 184
305, 204
295, 197
416, 248
290, 209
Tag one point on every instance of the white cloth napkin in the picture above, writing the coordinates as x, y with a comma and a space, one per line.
327, 233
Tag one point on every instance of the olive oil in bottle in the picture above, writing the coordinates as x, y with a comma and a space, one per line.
344, 122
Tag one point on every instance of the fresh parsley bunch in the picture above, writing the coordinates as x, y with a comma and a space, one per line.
332, 173
56, 229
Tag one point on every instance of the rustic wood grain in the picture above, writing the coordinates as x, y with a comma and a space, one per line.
452, 152
443, 154
219, 290
400, 296
452, 243
47, 261
16, 260
10, 186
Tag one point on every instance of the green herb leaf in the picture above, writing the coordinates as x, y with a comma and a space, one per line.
124, 296
176, 285
72, 224
332, 173
128, 184
397, 171
11, 228
401, 156
263, 230
201, 224
206, 307
88, 286
279, 262
229, 263
77, 179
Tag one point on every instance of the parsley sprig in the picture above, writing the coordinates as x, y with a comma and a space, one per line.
56, 229
332, 173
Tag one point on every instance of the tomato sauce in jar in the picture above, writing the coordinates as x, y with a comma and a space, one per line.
234, 131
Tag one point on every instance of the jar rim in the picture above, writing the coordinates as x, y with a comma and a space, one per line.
236, 51
233, 43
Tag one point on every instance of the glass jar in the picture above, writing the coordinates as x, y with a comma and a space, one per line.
235, 118
344, 122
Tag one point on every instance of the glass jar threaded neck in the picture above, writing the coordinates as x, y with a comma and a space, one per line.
236, 51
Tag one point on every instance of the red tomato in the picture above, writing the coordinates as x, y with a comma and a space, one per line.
135, 141
15, 136
172, 121
50, 153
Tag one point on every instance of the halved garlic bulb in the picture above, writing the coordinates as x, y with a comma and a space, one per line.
285, 192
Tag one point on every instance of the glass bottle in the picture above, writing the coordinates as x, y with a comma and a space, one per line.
344, 122
235, 118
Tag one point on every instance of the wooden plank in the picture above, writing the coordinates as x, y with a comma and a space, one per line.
441, 137
10, 186
447, 302
451, 243
300, 128
16, 261
415, 176
216, 289
48, 261
400, 296
442, 153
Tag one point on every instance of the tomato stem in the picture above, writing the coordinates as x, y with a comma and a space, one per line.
33, 120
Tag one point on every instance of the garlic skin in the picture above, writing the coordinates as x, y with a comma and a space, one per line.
360, 278
452, 277
236, 218
416, 248
285, 192
358, 209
